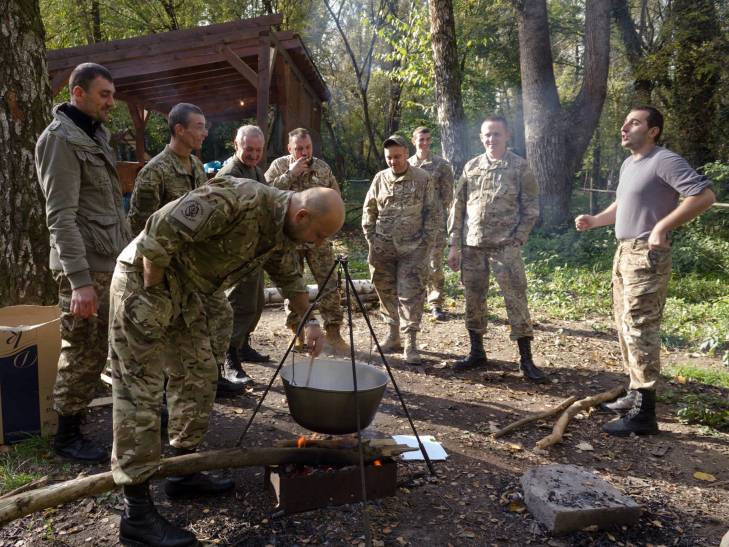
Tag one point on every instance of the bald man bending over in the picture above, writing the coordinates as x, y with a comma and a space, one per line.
201, 243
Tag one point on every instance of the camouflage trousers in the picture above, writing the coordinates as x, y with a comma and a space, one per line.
247, 300
436, 279
219, 314
508, 268
640, 284
399, 280
148, 329
320, 261
84, 347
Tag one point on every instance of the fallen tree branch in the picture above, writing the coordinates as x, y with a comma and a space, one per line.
27, 486
24, 503
574, 409
529, 419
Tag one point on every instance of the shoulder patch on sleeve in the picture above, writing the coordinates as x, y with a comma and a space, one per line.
192, 212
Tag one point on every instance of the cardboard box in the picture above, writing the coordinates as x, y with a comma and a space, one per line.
30, 343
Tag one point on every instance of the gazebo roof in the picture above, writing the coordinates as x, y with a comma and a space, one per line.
215, 67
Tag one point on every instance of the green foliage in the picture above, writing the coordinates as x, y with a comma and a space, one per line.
705, 410
700, 375
21, 464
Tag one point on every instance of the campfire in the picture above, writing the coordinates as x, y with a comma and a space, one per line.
300, 487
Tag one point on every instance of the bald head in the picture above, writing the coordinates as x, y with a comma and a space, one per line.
314, 215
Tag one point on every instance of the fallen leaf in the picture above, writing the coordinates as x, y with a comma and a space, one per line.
515, 447
700, 475
517, 506
585, 447
681, 379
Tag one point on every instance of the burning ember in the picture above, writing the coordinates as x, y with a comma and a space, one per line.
377, 463
301, 442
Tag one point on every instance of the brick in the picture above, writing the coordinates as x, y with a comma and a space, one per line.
567, 498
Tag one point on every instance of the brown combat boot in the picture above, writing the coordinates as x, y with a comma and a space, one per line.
392, 343
337, 345
411, 353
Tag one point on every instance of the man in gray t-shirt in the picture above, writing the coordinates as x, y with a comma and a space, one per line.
645, 210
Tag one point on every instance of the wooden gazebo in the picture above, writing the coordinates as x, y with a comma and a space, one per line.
231, 71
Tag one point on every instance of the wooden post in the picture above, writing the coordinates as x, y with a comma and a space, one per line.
264, 86
139, 119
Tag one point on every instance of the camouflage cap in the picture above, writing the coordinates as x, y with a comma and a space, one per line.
395, 140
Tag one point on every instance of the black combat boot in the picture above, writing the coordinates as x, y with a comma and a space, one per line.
70, 443
226, 388
476, 357
526, 364
641, 419
438, 314
249, 355
195, 485
142, 525
622, 404
232, 369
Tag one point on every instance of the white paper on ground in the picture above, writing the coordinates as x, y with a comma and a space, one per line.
432, 447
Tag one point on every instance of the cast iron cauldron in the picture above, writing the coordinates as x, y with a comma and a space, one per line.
321, 398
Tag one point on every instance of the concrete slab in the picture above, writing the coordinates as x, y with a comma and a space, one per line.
568, 498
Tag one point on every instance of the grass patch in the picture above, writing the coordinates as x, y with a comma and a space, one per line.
692, 373
20, 464
705, 408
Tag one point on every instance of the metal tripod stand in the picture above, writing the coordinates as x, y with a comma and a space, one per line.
342, 262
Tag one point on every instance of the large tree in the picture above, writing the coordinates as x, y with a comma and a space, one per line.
25, 101
557, 134
448, 83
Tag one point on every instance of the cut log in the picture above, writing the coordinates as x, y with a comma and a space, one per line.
385, 447
575, 408
529, 419
22, 504
365, 289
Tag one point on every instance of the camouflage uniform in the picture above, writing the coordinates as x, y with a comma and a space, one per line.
246, 298
400, 220
320, 259
162, 180
640, 285
88, 229
207, 241
496, 205
441, 174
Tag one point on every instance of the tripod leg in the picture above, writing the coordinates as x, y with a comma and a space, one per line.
350, 283
283, 359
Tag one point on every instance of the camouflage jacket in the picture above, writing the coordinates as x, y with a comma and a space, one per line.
162, 180
401, 209
235, 168
320, 175
84, 210
441, 174
496, 203
214, 236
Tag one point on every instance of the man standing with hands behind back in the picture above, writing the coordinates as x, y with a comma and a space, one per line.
441, 173
77, 173
247, 297
645, 210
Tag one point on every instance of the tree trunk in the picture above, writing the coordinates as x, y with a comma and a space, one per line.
96, 21
25, 101
557, 137
634, 50
696, 79
448, 83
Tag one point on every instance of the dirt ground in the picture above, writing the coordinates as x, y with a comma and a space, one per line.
476, 497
